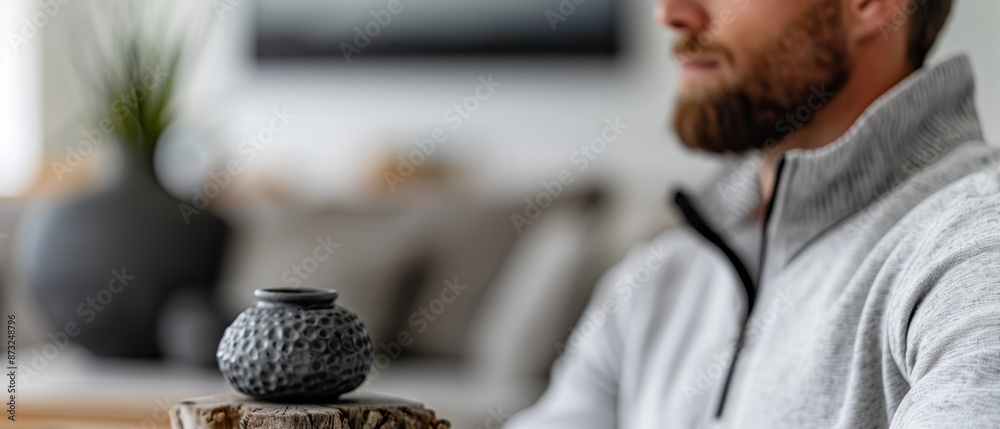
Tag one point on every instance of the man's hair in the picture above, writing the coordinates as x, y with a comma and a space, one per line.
926, 25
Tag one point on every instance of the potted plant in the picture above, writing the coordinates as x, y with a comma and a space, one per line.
118, 269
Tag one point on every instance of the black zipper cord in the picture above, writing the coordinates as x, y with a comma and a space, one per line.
749, 285
698, 223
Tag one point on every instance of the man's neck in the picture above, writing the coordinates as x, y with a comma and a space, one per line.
834, 118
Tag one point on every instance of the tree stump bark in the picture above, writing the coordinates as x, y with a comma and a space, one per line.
354, 412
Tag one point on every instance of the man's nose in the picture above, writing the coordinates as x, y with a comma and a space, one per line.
683, 16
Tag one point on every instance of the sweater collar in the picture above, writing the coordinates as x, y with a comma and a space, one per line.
906, 129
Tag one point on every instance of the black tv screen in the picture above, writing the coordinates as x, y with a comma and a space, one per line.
348, 30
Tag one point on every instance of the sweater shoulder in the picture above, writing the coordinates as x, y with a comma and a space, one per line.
963, 209
950, 271
948, 234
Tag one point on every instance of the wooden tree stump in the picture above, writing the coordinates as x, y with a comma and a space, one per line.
353, 412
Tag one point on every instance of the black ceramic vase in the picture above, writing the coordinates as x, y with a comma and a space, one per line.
108, 263
296, 345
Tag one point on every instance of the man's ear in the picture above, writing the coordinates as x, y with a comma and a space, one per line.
873, 17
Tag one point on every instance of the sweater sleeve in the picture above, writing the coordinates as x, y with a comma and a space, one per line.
947, 324
583, 391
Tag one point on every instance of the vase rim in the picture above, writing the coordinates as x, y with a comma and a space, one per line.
296, 295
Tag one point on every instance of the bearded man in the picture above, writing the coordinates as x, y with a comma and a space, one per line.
843, 273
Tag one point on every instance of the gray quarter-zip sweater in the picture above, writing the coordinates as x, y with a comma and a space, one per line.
869, 296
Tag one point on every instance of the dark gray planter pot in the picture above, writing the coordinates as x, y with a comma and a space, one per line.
296, 345
109, 262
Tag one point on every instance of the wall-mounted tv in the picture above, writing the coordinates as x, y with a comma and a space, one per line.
347, 30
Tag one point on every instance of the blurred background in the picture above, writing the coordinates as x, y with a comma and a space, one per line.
388, 149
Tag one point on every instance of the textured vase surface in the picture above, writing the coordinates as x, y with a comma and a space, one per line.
296, 345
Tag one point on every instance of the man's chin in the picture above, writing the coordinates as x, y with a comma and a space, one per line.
704, 123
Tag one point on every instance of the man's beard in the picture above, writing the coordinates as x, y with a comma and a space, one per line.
744, 113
